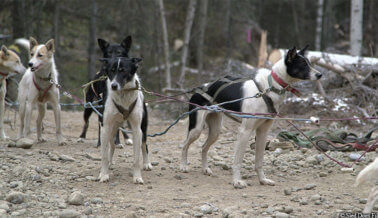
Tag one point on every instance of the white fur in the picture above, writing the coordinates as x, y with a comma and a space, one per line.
28, 97
248, 127
369, 173
113, 120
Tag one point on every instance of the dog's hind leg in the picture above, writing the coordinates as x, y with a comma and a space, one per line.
214, 121
41, 115
87, 114
373, 196
116, 140
196, 122
146, 161
261, 134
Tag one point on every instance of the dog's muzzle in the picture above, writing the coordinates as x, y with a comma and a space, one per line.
114, 86
318, 76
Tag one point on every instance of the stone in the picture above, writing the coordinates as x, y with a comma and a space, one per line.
3, 213
15, 197
12, 144
281, 215
88, 211
355, 156
319, 158
270, 210
24, 143
288, 209
361, 201
310, 186
206, 209
68, 213
168, 160
76, 198
4, 205
311, 160
347, 170
131, 215
287, 191
154, 163
303, 202
53, 156
67, 158
96, 201
323, 174
315, 197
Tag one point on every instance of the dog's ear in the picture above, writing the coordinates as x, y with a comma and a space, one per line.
103, 44
50, 45
291, 54
303, 50
4, 49
126, 43
33, 42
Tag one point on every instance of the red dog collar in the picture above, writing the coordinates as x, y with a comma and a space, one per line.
284, 84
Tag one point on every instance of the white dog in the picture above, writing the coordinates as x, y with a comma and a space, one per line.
124, 102
369, 173
37, 88
10, 63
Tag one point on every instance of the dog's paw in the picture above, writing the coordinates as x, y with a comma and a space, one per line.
103, 177
207, 171
120, 145
184, 168
147, 167
80, 140
129, 142
239, 184
138, 180
41, 140
267, 182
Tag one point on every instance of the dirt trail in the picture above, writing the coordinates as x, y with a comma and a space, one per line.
46, 182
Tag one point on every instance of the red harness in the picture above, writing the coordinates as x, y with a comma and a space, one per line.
3, 74
43, 91
284, 84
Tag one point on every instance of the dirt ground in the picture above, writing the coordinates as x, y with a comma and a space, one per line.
303, 188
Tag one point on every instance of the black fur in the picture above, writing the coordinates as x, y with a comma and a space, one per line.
298, 66
99, 88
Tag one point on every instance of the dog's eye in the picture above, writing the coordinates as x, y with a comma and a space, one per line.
32, 54
40, 55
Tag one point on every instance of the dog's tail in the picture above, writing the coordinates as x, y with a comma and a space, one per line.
369, 173
23, 42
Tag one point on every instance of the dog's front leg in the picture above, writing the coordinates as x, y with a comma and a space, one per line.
28, 114
41, 115
261, 134
240, 146
105, 136
373, 197
56, 108
2, 101
113, 130
137, 138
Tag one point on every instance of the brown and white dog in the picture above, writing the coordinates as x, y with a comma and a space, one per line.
37, 87
10, 63
369, 173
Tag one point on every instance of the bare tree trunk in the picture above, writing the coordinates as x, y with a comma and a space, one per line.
203, 15
296, 24
319, 22
263, 51
18, 21
92, 40
188, 28
166, 45
356, 27
228, 29
56, 27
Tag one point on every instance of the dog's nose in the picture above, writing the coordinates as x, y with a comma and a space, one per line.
318, 75
30, 64
114, 86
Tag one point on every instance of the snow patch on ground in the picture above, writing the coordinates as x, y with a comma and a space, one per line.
318, 100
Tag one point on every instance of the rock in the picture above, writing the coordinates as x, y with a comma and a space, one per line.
270, 210
24, 143
18, 213
68, 213
323, 174
3, 213
311, 160
355, 156
179, 177
206, 209
315, 197
92, 157
67, 158
53, 156
15, 197
281, 215
97, 201
288, 209
303, 202
347, 170
361, 201
278, 151
154, 163
76, 198
4, 205
319, 158
287, 191
131, 215
88, 211
168, 160
310, 186
12, 144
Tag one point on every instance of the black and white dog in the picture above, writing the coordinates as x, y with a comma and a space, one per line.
98, 91
294, 67
125, 102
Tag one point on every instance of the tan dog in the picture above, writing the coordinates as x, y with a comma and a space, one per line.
369, 173
37, 88
10, 63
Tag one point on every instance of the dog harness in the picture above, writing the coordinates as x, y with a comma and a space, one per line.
42, 92
125, 112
